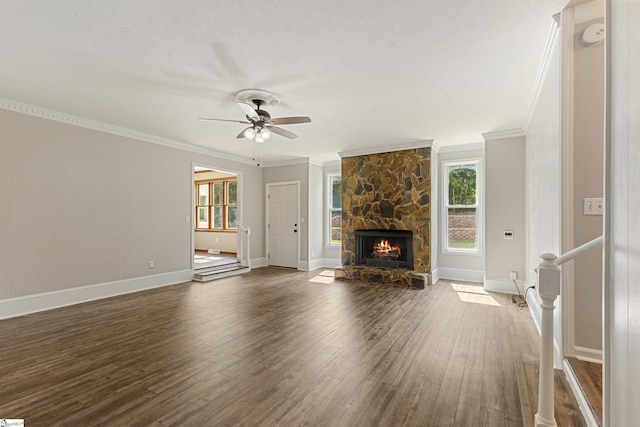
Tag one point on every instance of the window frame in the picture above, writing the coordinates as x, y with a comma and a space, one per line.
331, 209
446, 164
211, 204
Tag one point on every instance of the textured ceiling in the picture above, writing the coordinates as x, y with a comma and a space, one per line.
368, 73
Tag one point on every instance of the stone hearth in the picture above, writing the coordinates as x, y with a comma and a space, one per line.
387, 191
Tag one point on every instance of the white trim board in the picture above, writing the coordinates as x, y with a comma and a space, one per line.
259, 262
49, 300
588, 354
319, 263
461, 274
504, 286
387, 149
534, 308
435, 275
57, 116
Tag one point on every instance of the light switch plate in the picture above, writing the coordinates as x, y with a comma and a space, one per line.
593, 205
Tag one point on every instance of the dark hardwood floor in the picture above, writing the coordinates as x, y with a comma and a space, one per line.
589, 376
272, 347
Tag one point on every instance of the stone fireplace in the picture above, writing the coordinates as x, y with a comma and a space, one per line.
387, 193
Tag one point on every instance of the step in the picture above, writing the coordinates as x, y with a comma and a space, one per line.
219, 272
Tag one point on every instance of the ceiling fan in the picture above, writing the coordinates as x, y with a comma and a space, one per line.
260, 121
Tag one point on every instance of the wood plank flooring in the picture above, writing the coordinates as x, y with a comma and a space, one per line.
589, 376
272, 347
566, 409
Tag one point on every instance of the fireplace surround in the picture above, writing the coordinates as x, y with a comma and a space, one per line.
391, 192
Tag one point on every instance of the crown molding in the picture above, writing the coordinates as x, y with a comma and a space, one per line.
56, 116
332, 164
502, 134
299, 161
387, 149
462, 147
552, 38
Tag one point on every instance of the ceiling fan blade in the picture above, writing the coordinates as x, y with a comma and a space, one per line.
282, 132
249, 111
290, 120
241, 134
224, 120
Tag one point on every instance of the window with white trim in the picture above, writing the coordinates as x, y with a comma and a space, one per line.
216, 205
461, 206
335, 209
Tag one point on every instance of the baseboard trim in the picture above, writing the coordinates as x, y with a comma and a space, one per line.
534, 309
588, 354
21, 306
331, 262
435, 275
461, 274
259, 262
504, 286
315, 264
583, 404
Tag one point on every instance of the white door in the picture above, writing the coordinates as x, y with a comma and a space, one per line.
283, 225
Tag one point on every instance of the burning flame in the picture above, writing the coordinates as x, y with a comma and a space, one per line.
383, 247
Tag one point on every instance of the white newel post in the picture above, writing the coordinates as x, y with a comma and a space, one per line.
548, 290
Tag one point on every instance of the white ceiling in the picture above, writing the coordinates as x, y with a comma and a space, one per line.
368, 73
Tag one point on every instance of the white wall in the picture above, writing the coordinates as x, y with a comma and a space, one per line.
588, 161
469, 267
543, 179
225, 241
435, 215
317, 207
83, 207
622, 251
504, 210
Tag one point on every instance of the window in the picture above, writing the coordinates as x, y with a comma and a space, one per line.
461, 206
216, 207
335, 209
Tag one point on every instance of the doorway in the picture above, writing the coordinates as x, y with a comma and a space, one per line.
216, 217
283, 237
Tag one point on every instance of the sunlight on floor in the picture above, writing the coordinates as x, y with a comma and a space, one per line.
473, 294
325, 276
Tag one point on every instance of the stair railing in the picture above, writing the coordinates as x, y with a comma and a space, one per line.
549, 289
245, 244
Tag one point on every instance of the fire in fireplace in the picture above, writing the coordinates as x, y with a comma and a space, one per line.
384, 248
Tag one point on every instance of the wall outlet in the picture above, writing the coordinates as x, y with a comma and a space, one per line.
513, 275
152, 264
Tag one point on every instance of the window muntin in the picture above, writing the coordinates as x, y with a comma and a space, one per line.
216, 207
461, 206
335, 209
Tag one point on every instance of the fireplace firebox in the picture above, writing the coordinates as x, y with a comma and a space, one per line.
384, 248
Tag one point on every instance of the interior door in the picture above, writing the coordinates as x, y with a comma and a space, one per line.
283, 225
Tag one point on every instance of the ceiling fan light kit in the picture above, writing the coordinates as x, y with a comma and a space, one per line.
261, 124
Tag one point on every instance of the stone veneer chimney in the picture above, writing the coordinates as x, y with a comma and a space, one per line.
388, 191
